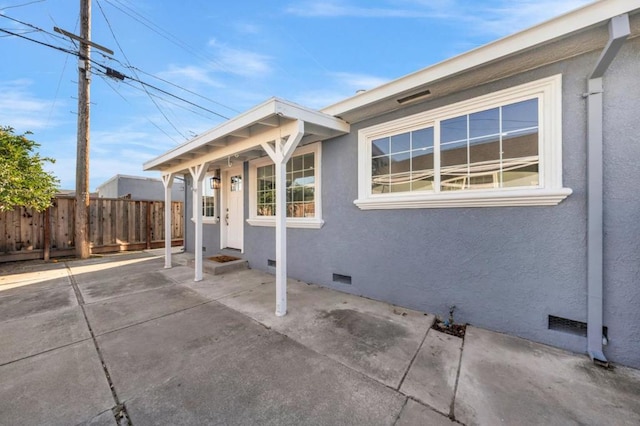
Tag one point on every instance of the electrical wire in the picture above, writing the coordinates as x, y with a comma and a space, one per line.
163, 33
106, 80
127, 60
23, 4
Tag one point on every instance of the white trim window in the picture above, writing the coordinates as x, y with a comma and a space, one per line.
304, 207
501, 149
209, 200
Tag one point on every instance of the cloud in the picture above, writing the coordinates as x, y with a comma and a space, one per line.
23, 111
246, 28
243, 62
190, 74
334, 9
498, 17
508, 16
341, 85
357, 81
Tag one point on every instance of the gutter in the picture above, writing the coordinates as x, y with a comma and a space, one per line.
619, 30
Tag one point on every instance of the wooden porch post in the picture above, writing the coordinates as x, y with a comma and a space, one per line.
280, 153
197, 174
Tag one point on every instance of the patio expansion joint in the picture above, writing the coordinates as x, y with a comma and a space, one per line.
119, 410
155, 318
45, 351
413, 359
452, 414
406, 400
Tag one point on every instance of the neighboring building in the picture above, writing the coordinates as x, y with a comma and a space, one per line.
72, 193
138, 188
476, 182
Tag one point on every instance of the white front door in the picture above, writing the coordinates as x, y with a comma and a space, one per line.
233, 216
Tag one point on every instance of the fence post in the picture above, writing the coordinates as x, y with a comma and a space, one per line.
149, 224
46, 250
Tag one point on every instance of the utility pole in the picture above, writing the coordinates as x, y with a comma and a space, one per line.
81, 236
82, 154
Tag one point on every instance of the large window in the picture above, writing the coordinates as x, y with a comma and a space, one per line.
303, 180
499, 149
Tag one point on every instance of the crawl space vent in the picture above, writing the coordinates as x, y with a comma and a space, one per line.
569, 326
271, 262
342, 279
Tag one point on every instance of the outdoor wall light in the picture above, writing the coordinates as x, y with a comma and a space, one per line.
215, 182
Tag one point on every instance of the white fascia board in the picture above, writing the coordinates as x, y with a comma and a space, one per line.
239, 124
252, 116
590, 15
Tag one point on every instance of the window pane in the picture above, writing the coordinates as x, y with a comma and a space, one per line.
208, 206
520, 144
484, 123
521, 115
401, 163
300, 179
401, 143
236, 183
380, 184
453, 154
309, 194
422, 170
380, 147
421, 139
484, 150
454, 129
380, 166
309, 161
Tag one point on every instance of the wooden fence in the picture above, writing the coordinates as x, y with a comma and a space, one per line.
115, 225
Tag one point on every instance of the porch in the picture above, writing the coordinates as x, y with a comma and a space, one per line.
275, 129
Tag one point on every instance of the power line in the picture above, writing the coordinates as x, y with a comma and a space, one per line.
163, 33
34, 27
106, 68
23, 4
190, 91
127, 101
127, 59
62, 49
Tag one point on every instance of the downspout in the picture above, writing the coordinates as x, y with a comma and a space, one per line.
619, 30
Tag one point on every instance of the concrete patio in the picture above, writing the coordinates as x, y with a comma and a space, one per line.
118, 338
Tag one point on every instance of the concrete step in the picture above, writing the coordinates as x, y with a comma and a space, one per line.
213, 267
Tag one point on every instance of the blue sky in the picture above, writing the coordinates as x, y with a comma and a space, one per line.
224, 57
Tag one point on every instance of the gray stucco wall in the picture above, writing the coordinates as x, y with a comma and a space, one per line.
504, 268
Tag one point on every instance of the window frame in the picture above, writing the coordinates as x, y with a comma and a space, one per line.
216, 200
314, 222
549, 191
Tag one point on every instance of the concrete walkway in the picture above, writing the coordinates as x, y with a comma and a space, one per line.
118, 338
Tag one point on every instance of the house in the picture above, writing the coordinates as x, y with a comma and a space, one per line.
138, 188
501, 181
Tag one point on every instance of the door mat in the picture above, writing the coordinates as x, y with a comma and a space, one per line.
223, 258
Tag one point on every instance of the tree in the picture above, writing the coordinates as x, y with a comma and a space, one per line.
23, 180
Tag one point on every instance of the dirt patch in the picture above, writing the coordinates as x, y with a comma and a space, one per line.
457, 330
223, 258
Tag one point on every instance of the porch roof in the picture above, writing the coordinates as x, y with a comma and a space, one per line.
243, 134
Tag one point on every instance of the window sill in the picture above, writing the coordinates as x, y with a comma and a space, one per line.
305, 223
206, 220
503, 198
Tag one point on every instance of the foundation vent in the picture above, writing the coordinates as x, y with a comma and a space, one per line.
271, 262
569, 326
342, 279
